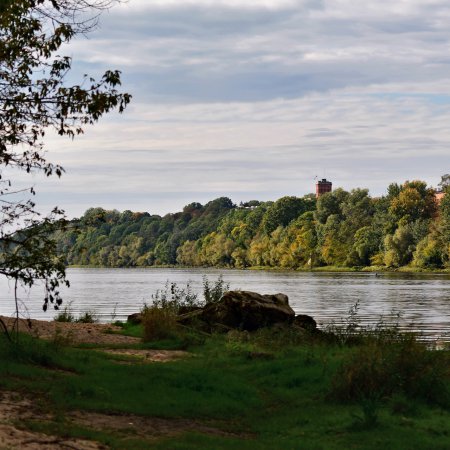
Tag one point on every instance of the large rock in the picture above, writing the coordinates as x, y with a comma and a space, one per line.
306, 322
246, 310
135, 318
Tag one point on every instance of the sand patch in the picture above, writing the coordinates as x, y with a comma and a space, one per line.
13, 409
73, 333
147, 356
145, 427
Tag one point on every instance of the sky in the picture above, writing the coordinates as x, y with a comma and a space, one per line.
254, 99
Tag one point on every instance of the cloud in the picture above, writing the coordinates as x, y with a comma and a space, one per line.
185, 51
252, 99
196, 152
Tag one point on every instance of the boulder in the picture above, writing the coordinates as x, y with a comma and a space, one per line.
246, 310
135, 318
187, 309
306, 322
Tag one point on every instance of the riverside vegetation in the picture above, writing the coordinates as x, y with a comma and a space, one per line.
274, 388
407, 228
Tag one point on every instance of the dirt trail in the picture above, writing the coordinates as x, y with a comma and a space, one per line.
73, 333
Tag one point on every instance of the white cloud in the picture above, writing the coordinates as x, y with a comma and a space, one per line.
254, 98
238, 4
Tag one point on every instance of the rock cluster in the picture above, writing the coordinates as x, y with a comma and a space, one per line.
243, 310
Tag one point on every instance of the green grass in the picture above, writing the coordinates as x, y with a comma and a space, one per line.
272, 389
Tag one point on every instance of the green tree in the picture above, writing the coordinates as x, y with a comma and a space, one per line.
428, 253
399, 247
445, 181
414, 201
366, 244
329, 204
442, 230
34, 98
283, 211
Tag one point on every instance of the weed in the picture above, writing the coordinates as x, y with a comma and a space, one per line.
160, 319
87, 317
213, 292
114, 312
370, 409
65, 315
388, 364
158, 322
173, 297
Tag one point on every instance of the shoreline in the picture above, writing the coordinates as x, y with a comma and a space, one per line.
322, 269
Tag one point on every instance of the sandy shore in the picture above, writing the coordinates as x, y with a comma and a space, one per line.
72, 333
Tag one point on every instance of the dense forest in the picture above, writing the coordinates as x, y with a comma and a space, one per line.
408, 226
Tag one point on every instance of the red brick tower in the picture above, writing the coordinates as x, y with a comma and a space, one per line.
323, 186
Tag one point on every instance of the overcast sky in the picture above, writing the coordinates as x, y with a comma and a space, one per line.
251, 99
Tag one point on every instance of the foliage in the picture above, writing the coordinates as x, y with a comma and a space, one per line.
35, 98
283, 211
66, 315
213, 292
159, 322
172, 297
389, 363
87, 317
342, 229
160, 318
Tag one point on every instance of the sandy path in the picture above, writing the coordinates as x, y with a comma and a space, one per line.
73, 333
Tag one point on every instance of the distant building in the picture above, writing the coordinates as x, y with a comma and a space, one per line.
323, 186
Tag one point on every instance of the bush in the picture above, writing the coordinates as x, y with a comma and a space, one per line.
172, 297
160, 319
213, 292
87, 317
65, 315
158, 323
388, 364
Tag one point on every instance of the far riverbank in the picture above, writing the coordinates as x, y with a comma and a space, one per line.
331, 269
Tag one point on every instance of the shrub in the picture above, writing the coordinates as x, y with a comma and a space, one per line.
172, 297
160, 319
158, 323
87, 317
213, 292
65, 315
388, 364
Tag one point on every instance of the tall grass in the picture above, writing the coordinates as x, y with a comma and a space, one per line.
160, 318
66, 315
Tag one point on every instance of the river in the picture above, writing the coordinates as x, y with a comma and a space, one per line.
420, 302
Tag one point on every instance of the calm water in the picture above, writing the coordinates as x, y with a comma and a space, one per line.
423, 301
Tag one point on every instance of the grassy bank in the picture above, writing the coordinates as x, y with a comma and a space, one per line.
272, 389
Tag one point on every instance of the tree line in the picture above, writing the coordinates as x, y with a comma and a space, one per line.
407, 226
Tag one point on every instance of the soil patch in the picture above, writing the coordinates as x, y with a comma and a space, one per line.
147, 356
14, 409
73, 333
145, 427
